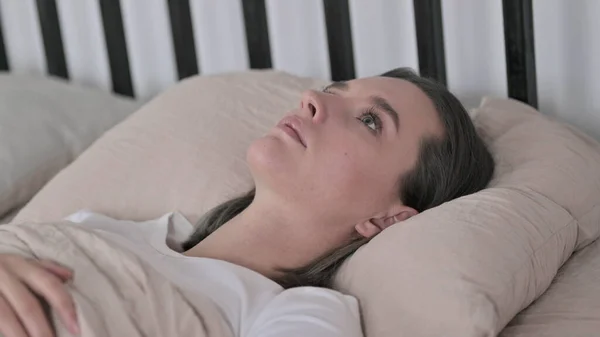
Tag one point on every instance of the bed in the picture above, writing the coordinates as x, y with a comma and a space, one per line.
112, 56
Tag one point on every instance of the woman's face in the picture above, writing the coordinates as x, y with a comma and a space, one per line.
340, 155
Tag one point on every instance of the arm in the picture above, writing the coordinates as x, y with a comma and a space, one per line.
309, 311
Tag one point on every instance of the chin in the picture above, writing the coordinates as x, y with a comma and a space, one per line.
269, 159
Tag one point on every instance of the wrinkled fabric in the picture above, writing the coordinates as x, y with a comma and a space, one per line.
116, 294
570, 307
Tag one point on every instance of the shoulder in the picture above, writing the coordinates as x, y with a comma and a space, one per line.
318, 296
310, 311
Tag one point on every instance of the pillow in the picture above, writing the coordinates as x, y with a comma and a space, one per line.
546, 156
467, 267
44, 124
461, 269
185, 150
570, 306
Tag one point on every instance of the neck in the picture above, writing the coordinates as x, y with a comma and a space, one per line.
268, 239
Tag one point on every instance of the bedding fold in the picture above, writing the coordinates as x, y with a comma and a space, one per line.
115, 292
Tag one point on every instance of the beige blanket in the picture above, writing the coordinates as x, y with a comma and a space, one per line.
116, 293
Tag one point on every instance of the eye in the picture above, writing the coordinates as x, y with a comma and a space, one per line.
371, 119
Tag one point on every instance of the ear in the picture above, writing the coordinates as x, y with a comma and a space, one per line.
374, 226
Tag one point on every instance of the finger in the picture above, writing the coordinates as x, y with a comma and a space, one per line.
10, 325
50, 287
25, 306
63, 272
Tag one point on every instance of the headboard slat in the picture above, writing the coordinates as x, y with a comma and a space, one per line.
3, 57
114, 34
520, 50
257, 33
339, 39
51, 35
430, 39
183, 38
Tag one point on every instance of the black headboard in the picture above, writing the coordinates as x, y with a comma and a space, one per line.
518, 38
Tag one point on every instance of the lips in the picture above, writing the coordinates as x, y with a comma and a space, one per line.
292, 125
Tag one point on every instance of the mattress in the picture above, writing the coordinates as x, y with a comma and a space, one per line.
570, 307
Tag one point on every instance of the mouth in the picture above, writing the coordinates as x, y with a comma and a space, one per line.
291, 125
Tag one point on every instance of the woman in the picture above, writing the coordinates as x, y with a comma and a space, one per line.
349, 162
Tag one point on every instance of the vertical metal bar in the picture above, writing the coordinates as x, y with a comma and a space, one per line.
114, 33
257, 33
339, 38
183, 38
520, 50
430, 39
3, 57
51, 35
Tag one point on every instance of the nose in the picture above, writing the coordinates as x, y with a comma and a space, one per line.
313, 105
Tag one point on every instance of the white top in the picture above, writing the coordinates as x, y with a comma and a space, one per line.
251, 304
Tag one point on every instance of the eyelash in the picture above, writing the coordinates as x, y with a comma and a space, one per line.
376, 119
369, 112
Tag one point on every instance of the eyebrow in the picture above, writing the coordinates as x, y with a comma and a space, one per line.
379, 102
382, 104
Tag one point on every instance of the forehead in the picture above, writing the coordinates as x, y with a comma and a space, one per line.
414, 107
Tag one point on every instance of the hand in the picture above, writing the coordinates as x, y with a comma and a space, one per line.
21, 281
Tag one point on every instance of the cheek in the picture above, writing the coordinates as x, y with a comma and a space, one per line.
352, 177
344, 169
